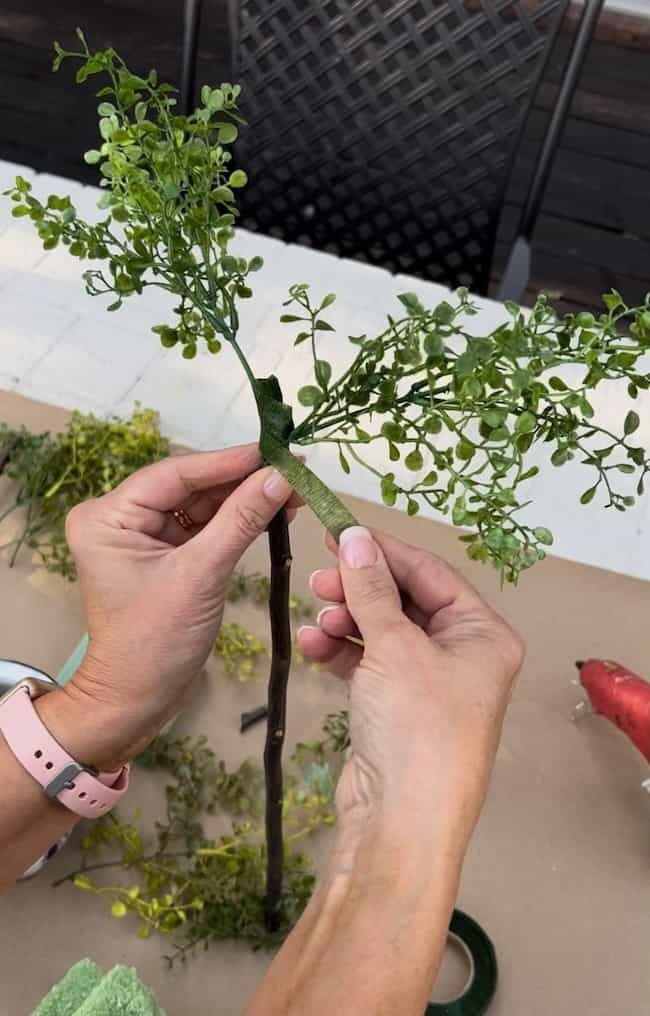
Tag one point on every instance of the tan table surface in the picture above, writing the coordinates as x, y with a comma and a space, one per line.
558, 872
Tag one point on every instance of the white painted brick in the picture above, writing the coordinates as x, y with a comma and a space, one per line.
192, 396
354, 283
95, 360
20, 248
28, 329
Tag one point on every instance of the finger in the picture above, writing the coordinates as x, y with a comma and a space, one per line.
336, 620
339, 656
243, 516
371, 594
430, 584
168, 484
200, 508
326, 584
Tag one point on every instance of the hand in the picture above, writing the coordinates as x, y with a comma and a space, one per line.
153, 593
429, 685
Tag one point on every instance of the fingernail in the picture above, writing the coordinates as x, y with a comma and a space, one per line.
276, 488
312, 579
326, 610
357, 547
308, 627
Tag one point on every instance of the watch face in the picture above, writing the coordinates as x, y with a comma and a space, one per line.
12, 672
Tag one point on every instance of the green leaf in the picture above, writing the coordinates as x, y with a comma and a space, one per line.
388, 489
613, 300
632, 422
585, 320
19, 211
123, 283
309, 395
557, 384
465, 450
323, 372
255, 263
458, 511
345, 465
238, 179
444, 313
414, 460
543, 535
412, 507
223, 194
227, 133
322, 326
626, 467
432, 425
493, 417
119, 909
189, 351
328, 300
412, 304
301, 337
288, 319
589, 495
216, 100
433, 345
82, 883
106, 109
526, 423
392, 431
92, 156
512, 308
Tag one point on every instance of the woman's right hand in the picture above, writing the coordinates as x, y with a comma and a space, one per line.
430, 676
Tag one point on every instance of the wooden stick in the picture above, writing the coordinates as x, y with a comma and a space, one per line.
280, 552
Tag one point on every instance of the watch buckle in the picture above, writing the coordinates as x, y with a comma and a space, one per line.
63, 780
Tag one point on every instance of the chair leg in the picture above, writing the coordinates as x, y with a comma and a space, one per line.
516, 276
191, 22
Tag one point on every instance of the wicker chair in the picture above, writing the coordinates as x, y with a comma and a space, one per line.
386, 130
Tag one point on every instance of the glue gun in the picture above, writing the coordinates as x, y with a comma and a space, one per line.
620, 695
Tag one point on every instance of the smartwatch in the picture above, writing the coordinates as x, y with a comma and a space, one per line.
80, 788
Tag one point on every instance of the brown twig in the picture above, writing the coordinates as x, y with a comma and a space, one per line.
280, 553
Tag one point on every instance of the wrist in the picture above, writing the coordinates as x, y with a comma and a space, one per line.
94, 733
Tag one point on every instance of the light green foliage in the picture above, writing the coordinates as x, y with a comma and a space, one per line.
55, 472
183, 884
460, 411
463, 410
239, 650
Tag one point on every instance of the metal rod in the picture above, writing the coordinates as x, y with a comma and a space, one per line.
584, 33
191, 22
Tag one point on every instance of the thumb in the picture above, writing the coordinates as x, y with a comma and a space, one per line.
243, 516
371, 595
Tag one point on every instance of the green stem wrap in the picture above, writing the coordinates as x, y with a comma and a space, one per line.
276, 430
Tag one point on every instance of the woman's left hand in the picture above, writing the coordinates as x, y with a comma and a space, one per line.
153, 586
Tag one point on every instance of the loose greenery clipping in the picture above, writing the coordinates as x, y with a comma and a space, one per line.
194, 889
55, 472
457, 411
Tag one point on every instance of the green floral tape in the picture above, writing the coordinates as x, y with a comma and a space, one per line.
478, 994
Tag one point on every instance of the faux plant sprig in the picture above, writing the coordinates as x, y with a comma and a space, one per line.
457, 410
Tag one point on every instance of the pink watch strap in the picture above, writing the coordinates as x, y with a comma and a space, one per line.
51, 766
